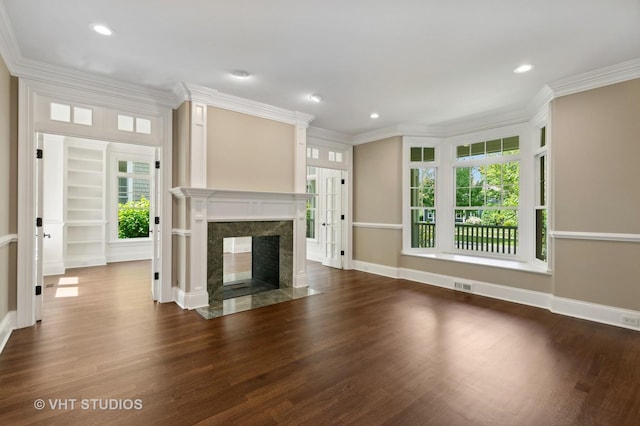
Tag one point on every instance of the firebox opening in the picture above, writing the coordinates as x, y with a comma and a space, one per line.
250, 265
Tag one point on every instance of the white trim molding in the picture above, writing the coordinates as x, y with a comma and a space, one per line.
181, 232
7, 325
604, 314
377, 225
600, 77
595, 236
205, 95
8, 239
190, 300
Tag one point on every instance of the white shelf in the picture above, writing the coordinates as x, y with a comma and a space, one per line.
85, 242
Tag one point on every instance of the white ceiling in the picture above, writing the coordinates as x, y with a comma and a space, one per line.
421, 62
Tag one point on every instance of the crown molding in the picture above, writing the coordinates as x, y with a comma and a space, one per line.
212, 97
417, 130
600, 77
8, 44
329, 136
89, 82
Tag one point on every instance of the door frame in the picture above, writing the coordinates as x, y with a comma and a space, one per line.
31, 121
324, 145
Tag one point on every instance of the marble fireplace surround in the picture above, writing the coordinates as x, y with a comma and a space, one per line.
198, 207
218, 231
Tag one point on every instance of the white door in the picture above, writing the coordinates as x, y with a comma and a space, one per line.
154, 226
39, 229
331, 216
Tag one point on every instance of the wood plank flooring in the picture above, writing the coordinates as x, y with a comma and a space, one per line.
370, 350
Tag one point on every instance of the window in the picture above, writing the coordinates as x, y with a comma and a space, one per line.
127, 123
67, 114
133, 197
487, 193
422, 188
312, 202
541, 198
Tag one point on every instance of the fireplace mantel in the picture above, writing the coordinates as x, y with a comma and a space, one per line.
199, 206
233, 205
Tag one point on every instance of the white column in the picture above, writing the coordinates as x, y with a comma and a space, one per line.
197, 294
299, 223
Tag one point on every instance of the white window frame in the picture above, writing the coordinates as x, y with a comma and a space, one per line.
113, 192
445, 198
421, 142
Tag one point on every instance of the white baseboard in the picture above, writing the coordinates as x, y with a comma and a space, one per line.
569, 307
84, 262
387, 271
190, 300
53, 268
7, 326
594, 312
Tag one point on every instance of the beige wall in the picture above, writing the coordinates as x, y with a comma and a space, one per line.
379, 246
596, 147
8, 187
377, 182
377, 198
181, 144
249, 153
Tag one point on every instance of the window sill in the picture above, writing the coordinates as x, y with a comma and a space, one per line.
484, 261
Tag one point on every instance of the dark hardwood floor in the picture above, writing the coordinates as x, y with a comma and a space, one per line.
370, 350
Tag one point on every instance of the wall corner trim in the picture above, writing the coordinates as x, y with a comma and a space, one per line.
7, 325
603, 314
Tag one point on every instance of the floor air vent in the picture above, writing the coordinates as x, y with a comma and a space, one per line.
462, 286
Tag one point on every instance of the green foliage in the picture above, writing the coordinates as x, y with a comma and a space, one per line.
491, 186
133, 219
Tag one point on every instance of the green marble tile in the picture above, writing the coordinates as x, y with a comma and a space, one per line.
218, 231
254, 301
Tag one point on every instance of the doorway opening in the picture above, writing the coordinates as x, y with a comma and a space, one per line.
95, 201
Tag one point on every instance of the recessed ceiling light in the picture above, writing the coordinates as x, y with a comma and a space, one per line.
241, 75
102, 29
315, 98
523, 68
374, 115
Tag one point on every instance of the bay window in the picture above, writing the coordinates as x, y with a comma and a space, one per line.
473, 198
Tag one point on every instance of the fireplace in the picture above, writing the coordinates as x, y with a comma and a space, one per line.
206, 216
271, 257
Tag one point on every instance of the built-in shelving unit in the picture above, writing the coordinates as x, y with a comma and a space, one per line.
85, 205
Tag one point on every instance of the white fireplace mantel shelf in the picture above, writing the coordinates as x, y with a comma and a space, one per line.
189, 192
226, 205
